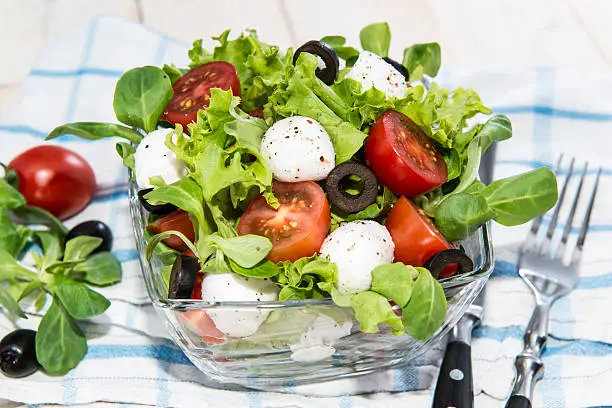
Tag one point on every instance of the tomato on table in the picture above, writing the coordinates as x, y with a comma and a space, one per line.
192, 91
403, 158
55, 179
175, 221
415, 237
299, 225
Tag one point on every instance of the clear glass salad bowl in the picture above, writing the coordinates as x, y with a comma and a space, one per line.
299, 341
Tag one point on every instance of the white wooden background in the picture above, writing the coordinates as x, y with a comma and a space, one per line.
473, 33
479, 33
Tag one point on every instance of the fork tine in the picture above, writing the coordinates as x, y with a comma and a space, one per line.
570, 217
555, 217
587, 217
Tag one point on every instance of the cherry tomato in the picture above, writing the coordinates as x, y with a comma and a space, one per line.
197, 287
55, 179
258, 113
175, 221
403, 158
415, 237
202, 325
299, 225
192, 91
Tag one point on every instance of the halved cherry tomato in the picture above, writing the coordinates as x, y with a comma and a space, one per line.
202, 325
297, 228
402, 156
175, 221
415, 237
55, 179
192, 91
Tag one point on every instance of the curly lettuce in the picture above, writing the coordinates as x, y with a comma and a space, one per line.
260, 66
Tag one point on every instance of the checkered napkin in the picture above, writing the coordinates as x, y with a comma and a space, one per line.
130, 358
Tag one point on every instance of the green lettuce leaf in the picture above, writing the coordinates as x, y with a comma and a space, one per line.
306, 278
260, 66
302, 93
372, 309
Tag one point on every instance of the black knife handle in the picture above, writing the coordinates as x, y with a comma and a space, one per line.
455, 387
518, 401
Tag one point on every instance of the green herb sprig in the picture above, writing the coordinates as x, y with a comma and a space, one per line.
62, 270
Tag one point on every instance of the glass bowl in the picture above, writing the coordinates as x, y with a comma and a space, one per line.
301, 341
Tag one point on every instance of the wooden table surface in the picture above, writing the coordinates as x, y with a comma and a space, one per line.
472, 33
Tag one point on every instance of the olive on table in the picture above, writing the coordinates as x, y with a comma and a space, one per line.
18, 354
93, 228
327, 54
343, 200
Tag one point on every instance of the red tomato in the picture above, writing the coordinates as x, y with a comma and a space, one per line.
297, 228
197, 287
192, 90
55, 179
201, 324
258, 113
403, 158
175, 221
415, 237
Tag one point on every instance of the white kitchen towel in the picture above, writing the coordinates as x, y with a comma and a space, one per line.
130, 358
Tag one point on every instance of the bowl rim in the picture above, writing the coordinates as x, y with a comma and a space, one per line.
160, 299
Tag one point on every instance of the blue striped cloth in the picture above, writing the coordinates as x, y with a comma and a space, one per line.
131, 359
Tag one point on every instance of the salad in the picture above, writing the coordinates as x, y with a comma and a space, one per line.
324, 171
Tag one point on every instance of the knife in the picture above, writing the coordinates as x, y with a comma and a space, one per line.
455, 386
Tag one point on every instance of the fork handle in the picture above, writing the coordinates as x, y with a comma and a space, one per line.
529, 370
529, 366
536, 332
518, 401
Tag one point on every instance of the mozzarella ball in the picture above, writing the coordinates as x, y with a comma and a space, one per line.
357, 248
231, 287
317, 342
298, 149
372, 71
153, 158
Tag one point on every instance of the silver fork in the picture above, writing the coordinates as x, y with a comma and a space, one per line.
549, 278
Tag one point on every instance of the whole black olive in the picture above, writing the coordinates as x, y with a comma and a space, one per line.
442, 259
402, 69
345, 201
183, 277
18, 354
159, 209
93, 228
328, 55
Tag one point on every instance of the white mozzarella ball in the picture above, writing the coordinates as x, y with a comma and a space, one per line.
317, 343
372, 71
357, 248
153, 158
227, 287
298, 149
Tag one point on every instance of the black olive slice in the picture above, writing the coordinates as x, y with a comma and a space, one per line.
93, 228
183, 277
439, 261
159, 209
18, 354
345, 201
328, 55
402, 69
